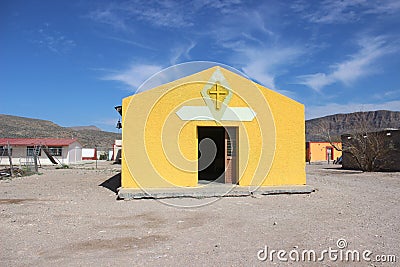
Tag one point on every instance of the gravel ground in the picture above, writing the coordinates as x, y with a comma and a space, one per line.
70, 217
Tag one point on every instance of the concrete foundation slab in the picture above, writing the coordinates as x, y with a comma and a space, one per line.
209, 191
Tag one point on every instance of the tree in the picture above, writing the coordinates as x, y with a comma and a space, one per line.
325, 133
369, 150
363, 147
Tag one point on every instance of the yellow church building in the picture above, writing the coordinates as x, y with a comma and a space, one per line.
213, 126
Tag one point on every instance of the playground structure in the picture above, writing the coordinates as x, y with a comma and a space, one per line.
34, 160
31, 162
32, 153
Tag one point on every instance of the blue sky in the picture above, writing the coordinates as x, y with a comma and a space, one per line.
71, 62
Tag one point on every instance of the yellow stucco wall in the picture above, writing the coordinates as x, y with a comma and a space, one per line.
160, 150
288, 166
317, 151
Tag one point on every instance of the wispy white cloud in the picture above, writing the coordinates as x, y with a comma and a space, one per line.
334, 108
316, 81
135, 75
142, 77
220, 30
249, 26
384, 7
344, 11
225, 6
336, 11
130, 42
52, 40
352, 69
181, 52
265, 63
108, 16
385, 95
158, 13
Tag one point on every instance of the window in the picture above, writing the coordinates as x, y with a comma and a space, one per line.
55, 150
230, 147
4, 151
30, 150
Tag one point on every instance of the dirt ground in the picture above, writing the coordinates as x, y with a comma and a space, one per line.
71, 217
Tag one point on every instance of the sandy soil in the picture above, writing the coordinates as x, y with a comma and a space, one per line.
71, 217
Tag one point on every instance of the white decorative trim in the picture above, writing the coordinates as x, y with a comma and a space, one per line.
203, 113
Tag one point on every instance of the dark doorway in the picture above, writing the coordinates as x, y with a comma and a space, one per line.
211, 153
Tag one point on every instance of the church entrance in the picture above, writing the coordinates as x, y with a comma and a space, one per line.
217, 154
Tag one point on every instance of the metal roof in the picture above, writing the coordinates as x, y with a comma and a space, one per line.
37, 141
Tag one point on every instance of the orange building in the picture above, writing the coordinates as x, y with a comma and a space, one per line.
322, 151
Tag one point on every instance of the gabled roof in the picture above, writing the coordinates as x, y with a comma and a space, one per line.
37, 141
203, 77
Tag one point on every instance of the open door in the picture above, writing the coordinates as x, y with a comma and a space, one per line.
329, 153
231, 155
217, 154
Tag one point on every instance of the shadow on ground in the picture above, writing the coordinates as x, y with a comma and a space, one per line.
113, 183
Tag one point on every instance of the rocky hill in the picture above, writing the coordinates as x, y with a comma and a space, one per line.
347, 123
81, 128
20, 127
91, 136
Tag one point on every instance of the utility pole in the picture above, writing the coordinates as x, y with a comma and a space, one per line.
10, 159
35, 161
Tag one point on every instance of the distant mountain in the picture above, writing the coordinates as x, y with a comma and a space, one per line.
81, 128
339, 124
91, 136
20, 127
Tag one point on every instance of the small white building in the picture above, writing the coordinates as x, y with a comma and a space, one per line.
63, 150
117, 148
89, 153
